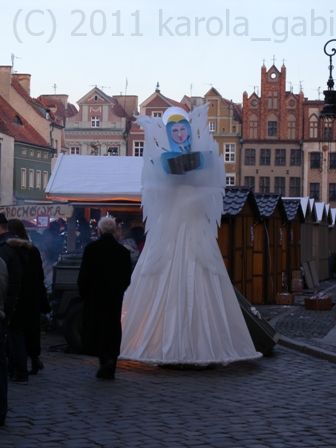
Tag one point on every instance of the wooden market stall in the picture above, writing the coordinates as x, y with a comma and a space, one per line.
267, 249
235, 237
291, 249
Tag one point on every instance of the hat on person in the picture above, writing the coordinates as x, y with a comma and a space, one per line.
3, 219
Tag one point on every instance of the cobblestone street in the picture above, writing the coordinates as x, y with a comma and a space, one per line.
287, 400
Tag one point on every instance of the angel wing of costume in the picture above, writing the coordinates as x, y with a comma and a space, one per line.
155, 181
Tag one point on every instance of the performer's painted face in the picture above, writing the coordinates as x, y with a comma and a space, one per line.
179, 133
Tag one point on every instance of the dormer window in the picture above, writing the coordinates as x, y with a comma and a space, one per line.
17, 120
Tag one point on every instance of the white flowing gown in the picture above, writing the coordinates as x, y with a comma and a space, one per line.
180, 307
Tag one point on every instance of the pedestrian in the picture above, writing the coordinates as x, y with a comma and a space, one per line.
33, 299
3, 357
10, 300
104, 275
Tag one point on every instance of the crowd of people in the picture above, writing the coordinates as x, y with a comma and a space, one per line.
23, 299
26, 268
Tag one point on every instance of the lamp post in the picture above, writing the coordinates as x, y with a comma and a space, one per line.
328, 113
327, 120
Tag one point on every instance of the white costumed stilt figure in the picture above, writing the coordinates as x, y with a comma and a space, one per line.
180, 307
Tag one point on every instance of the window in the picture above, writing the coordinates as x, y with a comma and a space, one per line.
212, 126
264, 184
138, 148
75, 150
95, 122
113, 150
38, 179
294, 186
230, 180
157, 114
295, 157
332, 160
38, 154
291, 128
265, 156
229, 152
272, 100
327, 132
249, 182
315, 160
280, 185
253, 129
332, 192
56, 143
250, 156
45, 179
23, 178
314, 190
280, 157
313, 128
272, 128
31, 182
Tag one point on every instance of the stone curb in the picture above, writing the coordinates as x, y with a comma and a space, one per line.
307, 349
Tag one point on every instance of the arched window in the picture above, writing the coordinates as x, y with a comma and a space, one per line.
313, 126
253, 126
291, 127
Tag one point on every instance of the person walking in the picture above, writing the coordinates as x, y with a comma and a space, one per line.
33, 299
104, 275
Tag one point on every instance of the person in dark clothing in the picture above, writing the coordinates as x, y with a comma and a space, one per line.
3, 357
14, 268
104, 275
10, 285
33, 298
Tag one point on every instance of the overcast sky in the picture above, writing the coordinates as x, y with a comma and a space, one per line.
187, 46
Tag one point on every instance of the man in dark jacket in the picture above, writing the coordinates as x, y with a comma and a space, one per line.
104, 275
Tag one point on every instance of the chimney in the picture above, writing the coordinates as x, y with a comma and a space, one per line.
24, 80
5, 81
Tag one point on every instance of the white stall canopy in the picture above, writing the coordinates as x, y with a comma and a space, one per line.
95, 178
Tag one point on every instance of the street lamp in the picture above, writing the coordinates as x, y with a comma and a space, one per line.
328, 113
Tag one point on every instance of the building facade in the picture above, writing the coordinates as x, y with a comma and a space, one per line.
319, 147
25, 158
15, 90
225, 125
153, 106
101, 125
272, 157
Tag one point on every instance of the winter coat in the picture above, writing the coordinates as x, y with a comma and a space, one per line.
32, 298
14, 268
104, 275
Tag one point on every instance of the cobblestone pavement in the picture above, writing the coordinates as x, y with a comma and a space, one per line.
306, 328
283, 401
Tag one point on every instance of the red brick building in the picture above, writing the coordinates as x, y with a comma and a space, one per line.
272, 147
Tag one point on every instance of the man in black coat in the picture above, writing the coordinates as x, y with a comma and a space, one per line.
104, 275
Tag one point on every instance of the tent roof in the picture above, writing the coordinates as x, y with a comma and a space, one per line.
95, 178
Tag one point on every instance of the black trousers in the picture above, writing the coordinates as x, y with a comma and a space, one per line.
3, 373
